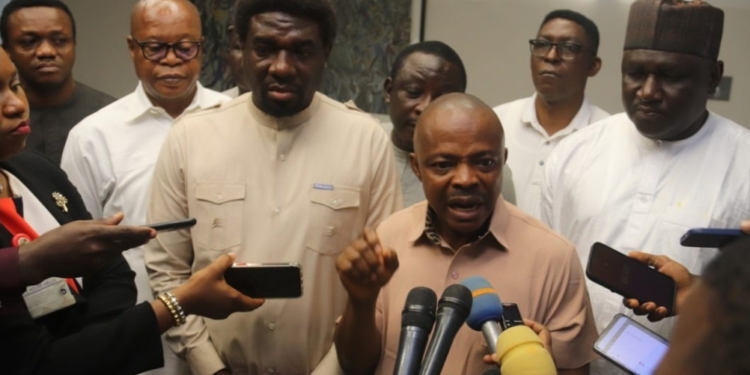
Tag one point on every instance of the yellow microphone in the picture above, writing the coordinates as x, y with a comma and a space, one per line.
521, 352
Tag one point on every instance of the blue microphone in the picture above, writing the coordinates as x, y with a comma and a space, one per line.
486, 310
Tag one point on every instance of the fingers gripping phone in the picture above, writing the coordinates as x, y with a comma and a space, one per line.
629, 277
266, 280
631, 346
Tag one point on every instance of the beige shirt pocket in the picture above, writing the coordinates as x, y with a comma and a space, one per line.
219, 208
332, 217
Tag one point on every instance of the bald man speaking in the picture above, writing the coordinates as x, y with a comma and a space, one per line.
464, 229
110, 155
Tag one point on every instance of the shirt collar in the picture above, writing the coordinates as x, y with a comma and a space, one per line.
425, 227
142, 104
580, 120
287, 122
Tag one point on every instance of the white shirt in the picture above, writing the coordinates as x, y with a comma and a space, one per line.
110, 157
529, 145
608, 183
232, 93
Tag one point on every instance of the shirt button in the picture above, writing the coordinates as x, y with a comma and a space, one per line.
282, 157
218, 197
330, 231
644, 199
454, 275
271, 326
277, 210
335, 203
541, 162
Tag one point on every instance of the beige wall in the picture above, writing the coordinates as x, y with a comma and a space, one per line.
102, 58
492, 38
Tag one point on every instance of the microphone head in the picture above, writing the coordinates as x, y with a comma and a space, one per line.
486, 305
520, 351
419, 309
457, 297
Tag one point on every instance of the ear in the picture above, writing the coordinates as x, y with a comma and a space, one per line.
717, 72
415, 166
387, 86
505, 160
595, 66
132, 47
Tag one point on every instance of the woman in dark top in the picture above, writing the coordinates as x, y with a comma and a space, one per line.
41, 217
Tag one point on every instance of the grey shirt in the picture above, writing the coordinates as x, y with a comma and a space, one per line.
50, 125
412, 187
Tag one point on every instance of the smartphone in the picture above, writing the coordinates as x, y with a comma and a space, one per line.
710, 237
511, 316
629, 277
266, 280
631, 346
169, 226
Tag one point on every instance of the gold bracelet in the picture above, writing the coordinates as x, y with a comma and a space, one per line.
167, 301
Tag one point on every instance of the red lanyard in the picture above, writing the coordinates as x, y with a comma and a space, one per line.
21, 230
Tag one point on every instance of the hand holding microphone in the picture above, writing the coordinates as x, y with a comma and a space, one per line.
365, 266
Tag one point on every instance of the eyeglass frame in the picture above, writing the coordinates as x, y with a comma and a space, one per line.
558, 48
170, 46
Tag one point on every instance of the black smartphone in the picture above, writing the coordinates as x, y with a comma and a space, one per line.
629, 277
266, 280
168, 226
710, 237
511, 316
631, 346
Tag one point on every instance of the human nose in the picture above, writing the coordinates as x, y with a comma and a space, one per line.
281, 65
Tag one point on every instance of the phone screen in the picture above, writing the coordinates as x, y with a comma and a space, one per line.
631, 346
266, 280
628, 277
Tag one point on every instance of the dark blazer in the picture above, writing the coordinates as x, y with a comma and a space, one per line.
103, 333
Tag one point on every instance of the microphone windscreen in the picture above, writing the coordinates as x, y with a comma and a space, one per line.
459, 298
486, 305
521, 352
419, 309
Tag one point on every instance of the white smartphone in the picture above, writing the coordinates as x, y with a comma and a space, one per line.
631, 346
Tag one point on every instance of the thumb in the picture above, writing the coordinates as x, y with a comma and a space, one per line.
745, 226
390, 260
222, 264
114, 219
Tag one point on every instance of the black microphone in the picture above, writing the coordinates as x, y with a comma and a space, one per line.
453, 308
417, 319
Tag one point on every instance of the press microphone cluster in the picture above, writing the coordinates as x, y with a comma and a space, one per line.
519, 350
417, 321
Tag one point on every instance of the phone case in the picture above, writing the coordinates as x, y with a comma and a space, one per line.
710, 237
266, 280
616, 288
609, 327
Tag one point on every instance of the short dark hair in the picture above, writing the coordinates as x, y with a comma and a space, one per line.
16, 5
728, 279
589, 27
320, 11
434, 48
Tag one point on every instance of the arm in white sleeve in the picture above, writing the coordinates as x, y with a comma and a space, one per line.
170, 256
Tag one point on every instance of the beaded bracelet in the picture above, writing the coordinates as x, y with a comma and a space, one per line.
174, 308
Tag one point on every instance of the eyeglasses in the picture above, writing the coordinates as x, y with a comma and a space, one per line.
157, 51
566, 50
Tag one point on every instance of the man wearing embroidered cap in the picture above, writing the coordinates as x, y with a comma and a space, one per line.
642, 178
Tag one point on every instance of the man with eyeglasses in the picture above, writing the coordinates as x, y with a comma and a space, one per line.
563, 57
110, 155
642, 178
40, 38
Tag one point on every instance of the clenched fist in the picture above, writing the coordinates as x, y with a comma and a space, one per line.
365, 266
